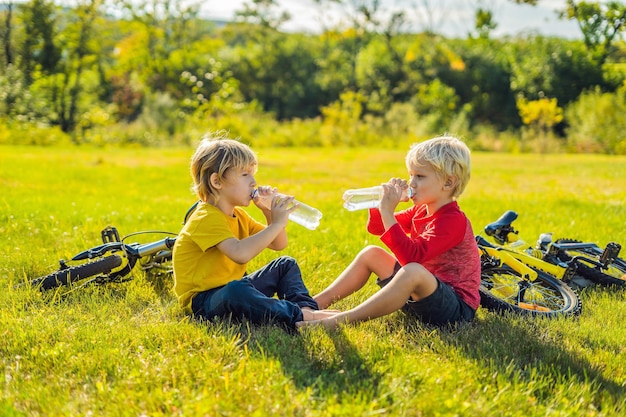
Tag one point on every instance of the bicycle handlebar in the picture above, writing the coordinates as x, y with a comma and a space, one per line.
132, 250
154, 247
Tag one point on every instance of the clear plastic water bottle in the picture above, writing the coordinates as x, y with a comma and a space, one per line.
304, 215
367, 198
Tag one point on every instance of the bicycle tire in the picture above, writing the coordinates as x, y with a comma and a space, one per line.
615, 274
77, 273
544, 297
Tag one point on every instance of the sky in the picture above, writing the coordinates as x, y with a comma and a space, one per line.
453, 18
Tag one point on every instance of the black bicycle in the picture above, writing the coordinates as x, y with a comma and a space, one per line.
113, 260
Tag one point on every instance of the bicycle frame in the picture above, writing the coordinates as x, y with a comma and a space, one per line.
606, 256
501, 256
157, 251
513, 280
562, 272
545, 257
113, 260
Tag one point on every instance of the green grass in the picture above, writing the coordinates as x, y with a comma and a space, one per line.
127, 350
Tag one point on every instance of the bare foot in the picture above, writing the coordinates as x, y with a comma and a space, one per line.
329, 323
310, 314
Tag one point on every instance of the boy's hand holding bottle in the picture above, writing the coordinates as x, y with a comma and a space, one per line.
263, 196
395, 191
366, 198
299, 213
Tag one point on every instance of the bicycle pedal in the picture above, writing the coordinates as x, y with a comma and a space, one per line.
610, 253
109, 234
569, 273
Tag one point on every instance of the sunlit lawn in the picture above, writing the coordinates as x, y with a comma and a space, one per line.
128, 349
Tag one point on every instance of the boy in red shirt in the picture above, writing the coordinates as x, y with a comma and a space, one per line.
434, 263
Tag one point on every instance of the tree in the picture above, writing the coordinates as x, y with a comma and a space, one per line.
481, 76
81, 50
601, 24
39, 51
280, 72
596, 122
540, 116
158, 29
6, 35
484, 23
261, 12
546, 67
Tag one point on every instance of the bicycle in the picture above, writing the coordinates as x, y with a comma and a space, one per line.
114, 260
511, 270
571, 258
111, 262
513, 281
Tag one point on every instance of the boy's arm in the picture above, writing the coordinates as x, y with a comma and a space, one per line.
375, 222
266, 193
242, 251
439, 238
280, 242
382, 218
392, 195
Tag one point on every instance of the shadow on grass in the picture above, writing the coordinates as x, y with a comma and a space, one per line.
527, 349
161, 282
326, 361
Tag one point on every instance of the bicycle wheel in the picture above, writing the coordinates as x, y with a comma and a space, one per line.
615, 274
76, 273
502, 289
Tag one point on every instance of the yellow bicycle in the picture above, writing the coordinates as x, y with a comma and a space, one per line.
513, 280
568, 259
539, 280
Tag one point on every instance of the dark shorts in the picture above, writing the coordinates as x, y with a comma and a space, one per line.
442, 307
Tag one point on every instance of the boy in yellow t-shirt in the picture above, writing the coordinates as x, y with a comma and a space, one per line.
220, 238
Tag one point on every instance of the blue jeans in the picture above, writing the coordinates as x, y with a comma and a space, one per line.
252, 297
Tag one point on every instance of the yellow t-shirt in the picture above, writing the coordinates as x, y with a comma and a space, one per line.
198, 264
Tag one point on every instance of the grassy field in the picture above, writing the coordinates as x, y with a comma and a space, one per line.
127, 350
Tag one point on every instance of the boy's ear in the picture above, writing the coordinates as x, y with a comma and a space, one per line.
450, 182
214, 179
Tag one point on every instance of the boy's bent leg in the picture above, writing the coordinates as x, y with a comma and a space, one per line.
372, 259
283, 277
242, 300
413, 279
442, 307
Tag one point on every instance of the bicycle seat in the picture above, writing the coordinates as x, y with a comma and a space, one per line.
504, 221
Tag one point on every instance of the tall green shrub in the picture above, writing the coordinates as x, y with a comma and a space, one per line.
597, 123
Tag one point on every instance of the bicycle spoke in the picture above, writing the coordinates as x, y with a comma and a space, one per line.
503, 289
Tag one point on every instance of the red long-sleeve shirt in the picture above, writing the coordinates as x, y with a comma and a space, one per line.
443, 243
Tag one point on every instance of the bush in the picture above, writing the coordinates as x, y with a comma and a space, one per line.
14, 133
596, 122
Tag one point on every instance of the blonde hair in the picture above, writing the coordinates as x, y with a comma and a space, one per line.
449, 157
216, 153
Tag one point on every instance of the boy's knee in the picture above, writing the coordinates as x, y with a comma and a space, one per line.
288, 260
417, 275
234, 289
371, 251
415, 272
283, 261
